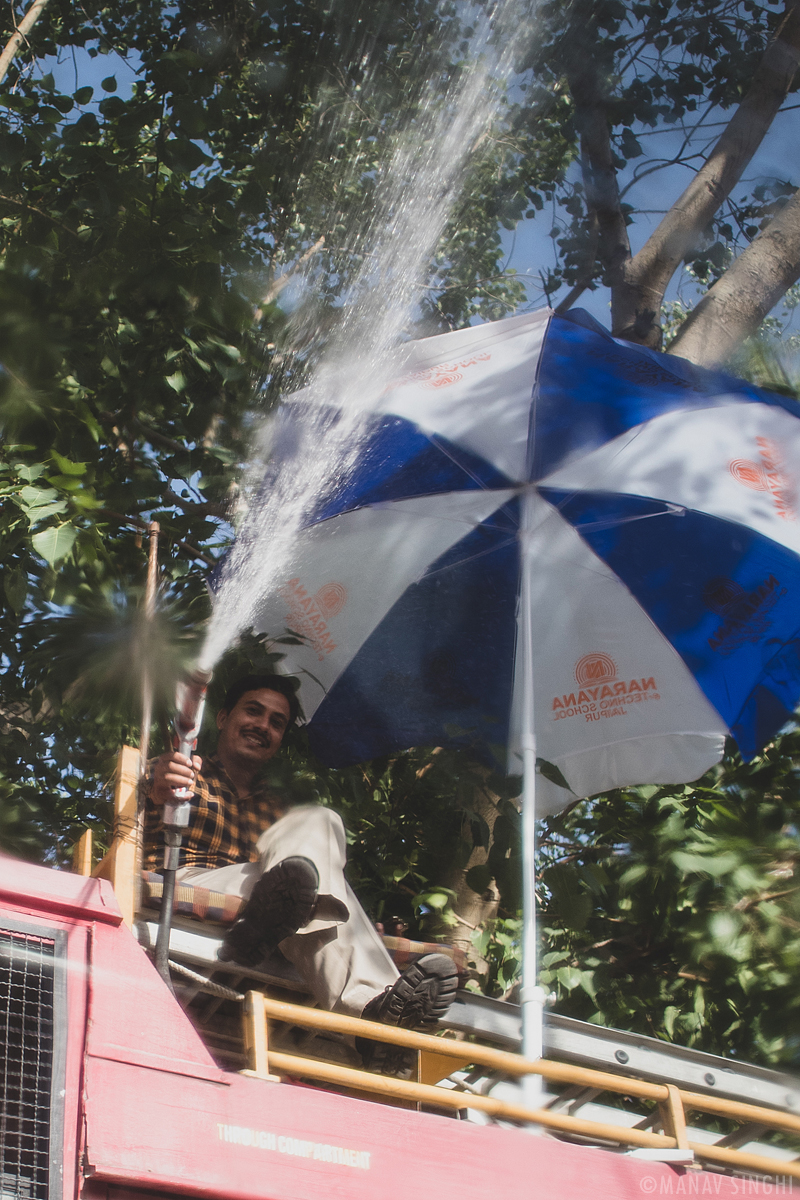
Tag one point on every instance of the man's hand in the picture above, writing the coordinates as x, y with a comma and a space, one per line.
172, 771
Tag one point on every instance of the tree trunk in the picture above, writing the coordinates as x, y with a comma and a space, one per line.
638, 283
473, 910
649, 272
20, 35
735, 306
600, 174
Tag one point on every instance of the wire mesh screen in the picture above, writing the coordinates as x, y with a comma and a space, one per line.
26, 1069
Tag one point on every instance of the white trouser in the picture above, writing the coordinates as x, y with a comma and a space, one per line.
340, 954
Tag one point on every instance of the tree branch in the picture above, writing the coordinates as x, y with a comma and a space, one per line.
137, 426
153, 435
20, 35
735, 306
650, 271
210, 562
40, 213
139, 524
209, 509
600, 173
280, 283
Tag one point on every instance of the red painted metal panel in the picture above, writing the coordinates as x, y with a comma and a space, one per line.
261, 1141
42, 890
160, 1117
92, 1190
134, 1017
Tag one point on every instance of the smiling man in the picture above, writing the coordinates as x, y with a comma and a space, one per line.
288, 863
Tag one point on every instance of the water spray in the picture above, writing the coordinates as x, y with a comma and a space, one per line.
190, 702
406, 211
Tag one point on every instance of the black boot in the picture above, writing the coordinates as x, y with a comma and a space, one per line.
281, 902
421, 996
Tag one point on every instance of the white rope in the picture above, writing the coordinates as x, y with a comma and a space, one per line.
206, 985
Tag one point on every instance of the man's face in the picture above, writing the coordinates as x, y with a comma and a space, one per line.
251, 733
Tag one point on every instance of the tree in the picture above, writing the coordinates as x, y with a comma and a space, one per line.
630, 69
145, 236
675, 912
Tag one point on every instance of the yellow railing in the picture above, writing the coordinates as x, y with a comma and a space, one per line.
438, 1057
121, 864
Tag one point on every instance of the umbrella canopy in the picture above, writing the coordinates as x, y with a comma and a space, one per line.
550, 530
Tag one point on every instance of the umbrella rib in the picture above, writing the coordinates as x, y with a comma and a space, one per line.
672, 510
635, 433
434, 440
426, 513
471, 557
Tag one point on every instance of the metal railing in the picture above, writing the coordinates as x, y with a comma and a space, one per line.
438, 1057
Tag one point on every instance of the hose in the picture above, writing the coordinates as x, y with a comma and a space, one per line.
165, 927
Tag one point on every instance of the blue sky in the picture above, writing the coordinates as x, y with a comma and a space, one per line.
778, 157
530, 248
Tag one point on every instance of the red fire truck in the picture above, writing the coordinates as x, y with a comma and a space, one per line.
236, 1087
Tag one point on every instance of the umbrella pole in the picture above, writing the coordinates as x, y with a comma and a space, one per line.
532, 996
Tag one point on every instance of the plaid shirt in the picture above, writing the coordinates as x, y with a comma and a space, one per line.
223, 827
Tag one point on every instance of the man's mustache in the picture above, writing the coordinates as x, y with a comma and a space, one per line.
264, 738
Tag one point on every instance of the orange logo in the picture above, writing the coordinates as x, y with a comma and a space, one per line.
601, 693
443, 380
443, 375
751, 474
308, 615
767, 475
595, 668
331, 598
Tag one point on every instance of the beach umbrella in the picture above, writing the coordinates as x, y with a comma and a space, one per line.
552, 546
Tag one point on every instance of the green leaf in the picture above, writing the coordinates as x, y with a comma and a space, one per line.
554, 956
37, 515
15, 585
724, 927
177, 382
40, 503
588, 985
16, 101
569, 977
66, 466
479, 879
55, 543
112, 107
706, 864
109, 84
574, 904
37, 497
66, 483
671, 1013
647, 792
29, 472
552, 772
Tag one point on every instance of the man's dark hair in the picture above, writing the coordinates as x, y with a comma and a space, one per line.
254, 683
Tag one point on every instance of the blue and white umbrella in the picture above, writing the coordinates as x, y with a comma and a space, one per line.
561, 545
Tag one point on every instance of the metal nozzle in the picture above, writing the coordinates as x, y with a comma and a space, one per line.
190, 701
